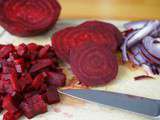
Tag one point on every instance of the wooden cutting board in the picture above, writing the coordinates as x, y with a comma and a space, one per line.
73, 109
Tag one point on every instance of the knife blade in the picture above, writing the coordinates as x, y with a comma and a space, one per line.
146, 106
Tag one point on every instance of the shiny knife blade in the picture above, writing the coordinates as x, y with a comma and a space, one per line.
146, 106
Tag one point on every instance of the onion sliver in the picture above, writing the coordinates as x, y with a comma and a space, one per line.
152, 45
152, 25
124, 46
136, 25
149, 57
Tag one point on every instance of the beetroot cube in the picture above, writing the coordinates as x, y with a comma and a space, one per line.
6, 87
56, 79
33, 47
19, 65
42, 63
38, 81
51, 96
43, 51
22, 49
5, 50
10, 116
33, 106
25, 80
8, 67
9, 104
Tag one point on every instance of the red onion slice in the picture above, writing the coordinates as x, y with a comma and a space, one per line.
136, 25
152, 25
149, 57
132, 59
152, 46
124, 46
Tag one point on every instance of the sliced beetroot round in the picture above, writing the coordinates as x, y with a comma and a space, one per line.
105, 28
78, 35
28, 17
57, 42
93, 64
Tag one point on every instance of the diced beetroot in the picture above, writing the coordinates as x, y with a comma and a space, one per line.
14, 82
5, 50
10, 116
9, 104
51, 96
38, 80
43, 89
19, 65
33, 106
8, 67
42, 63
22, 49
25, 80
32, 47
43, 52
56, 79
6, 87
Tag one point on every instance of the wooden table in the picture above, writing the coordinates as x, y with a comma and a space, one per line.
111, 9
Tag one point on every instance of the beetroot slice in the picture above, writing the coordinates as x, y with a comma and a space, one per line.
78, 35
93, 64
27, 18
104, 27
57, 42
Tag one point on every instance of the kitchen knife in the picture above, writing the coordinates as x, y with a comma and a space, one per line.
136, 104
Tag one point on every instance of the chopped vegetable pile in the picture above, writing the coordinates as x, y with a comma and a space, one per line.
29, 77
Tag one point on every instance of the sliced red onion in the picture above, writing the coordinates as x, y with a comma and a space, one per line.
132, 59
149, 57
136, 25
124, 46
135, 49
152, 46
152, 25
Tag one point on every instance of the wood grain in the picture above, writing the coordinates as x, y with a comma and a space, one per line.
111, 9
